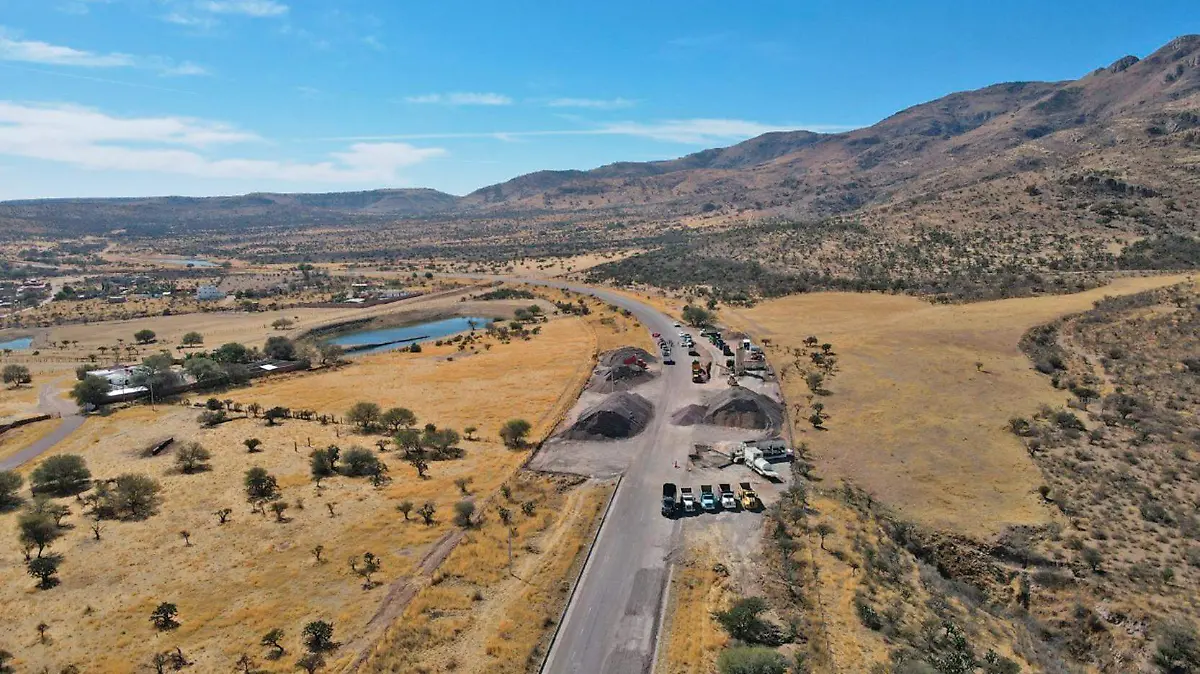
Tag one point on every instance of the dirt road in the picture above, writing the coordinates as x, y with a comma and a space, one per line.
48, 403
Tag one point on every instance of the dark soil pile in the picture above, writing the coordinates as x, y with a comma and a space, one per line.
620, 415
619, 356
615, 374
739, 407
689, 415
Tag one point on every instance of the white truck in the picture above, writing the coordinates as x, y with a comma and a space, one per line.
688, 499
728, 502
753, 458
771, 450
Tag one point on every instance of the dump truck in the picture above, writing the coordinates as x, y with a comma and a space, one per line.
771, 450
727, 500
749, 497
669, 501
708, 498
689, 501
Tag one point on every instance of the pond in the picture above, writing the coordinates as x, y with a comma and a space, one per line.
390, 339
17, 344
184, 262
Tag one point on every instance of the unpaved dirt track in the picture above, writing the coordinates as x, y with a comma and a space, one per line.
48, 403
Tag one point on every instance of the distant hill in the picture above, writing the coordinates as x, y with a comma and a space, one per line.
960, 161
158, 214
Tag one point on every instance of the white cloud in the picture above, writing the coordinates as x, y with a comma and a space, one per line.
34, 51
90, 139
254, 8
461, 98
591, 103
705, 132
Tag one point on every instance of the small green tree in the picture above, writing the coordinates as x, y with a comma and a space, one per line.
366, 566
192, 458
10, 485
360, 462
61, 475
426, 511
514, 432
697, 317
261, 488
742, 620
396, 418
144, 336
14, 375
365, 415
274, 414
136, 495
252, 445
405, 507
463, 512
192, 339
44, 569
91, 390
321, 464
823, 530
165, 616
318, 637
280, 348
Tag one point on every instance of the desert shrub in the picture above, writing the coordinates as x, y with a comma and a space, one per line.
743, 622
359, 462
514, 432
463, 512
192, 458
751, 660
10, 484
1178, 648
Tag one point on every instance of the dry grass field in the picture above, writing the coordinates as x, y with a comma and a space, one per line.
474, 615
236, 581
693, 639
911, 418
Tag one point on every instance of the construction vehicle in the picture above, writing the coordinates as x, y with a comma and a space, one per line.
708, 498
700, 373
669, 501
753, 458
749, 497
771, 450
688, 500
727, 500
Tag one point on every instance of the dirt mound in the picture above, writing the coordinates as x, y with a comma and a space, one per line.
619, 370
612, 359
689, 416
620, 415
739, 407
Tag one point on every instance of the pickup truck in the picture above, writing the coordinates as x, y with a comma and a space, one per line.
727, 500
749, 497
708, 499
689, 501
669, 500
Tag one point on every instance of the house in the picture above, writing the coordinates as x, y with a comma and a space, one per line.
209, 292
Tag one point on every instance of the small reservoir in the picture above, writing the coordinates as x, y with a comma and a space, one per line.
16, 344
390, 339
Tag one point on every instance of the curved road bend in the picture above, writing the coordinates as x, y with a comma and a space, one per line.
48, 403
611, 625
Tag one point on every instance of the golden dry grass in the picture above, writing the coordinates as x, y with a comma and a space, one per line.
612, 328
912, 420
537, 380
19, 438
238, 580
693, 638
474, 616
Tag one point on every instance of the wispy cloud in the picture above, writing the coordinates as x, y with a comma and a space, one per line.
43, 53
591, 103
205, 14
91, 139
254, 8
705, 132
460, 98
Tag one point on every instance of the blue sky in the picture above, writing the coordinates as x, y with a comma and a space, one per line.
204, 97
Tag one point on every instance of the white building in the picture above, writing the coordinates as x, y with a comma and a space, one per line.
209, 292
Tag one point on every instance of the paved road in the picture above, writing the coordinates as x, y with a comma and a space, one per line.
612, 623
48, 403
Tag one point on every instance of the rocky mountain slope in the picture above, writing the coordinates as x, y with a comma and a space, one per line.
1118, 149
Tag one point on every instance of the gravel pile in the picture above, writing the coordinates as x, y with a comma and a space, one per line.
620, 415
614, 374
739, 407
